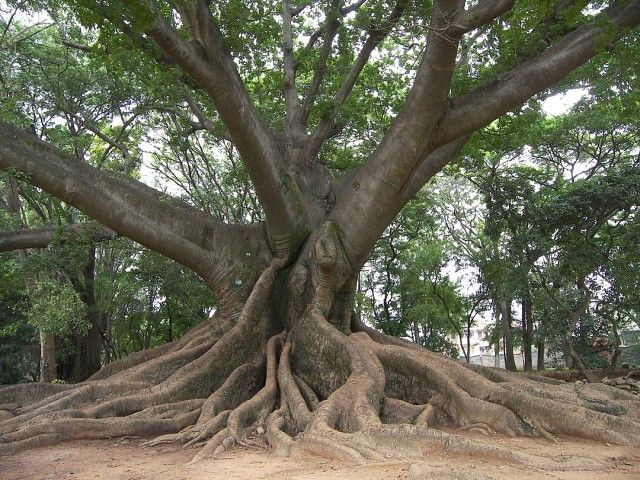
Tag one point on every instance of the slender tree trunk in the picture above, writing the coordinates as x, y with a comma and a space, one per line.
416, 332
468, 354
79, 367
616, 336
509, 360
89, 345
94, 347
47, 357
94, 342
150, 318
496, 358
576, 361
425, 335
88, 352
170, 336
568, 359
465, 352
540, 345
47, 340
527, 331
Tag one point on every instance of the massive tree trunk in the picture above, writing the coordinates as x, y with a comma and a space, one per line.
284, 357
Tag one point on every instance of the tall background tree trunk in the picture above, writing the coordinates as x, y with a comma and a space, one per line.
89, 345
527, 331
468, 353
576, 361
616, 345
540, 363
47, 340
505, 317
47, 357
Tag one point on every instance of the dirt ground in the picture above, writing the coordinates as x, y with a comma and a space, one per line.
125, 459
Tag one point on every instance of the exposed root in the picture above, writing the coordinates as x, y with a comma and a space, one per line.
310, 397
21, 394
280, 441
477, 427
427, 417
85, 428
215, 446
361, 396
412, 441
241, 385
198, 334
398, 411
180, 376
258, 407
354, 404
290, 393
210, 428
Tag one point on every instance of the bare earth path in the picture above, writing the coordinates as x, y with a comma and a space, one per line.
127, 460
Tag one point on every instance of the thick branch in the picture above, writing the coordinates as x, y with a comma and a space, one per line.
213, 68
43, 237
482, 13
426, 123
352, 8
75, 45
431, 165
289, 80
331, 28
483, 105
130, 208
377, 184
586, 299
298, 10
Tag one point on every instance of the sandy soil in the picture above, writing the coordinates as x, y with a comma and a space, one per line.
125, 459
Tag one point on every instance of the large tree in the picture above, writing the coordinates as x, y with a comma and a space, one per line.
284, 349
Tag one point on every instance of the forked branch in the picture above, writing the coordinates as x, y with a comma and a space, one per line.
484, 104
210, 64
378, 183
289, 78
375, 37
132, 209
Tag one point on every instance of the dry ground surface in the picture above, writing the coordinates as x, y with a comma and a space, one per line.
127, 460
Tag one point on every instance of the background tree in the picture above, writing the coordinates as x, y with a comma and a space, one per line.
405, 286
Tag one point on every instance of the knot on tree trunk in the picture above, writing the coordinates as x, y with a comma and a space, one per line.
329, 266
326, 249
